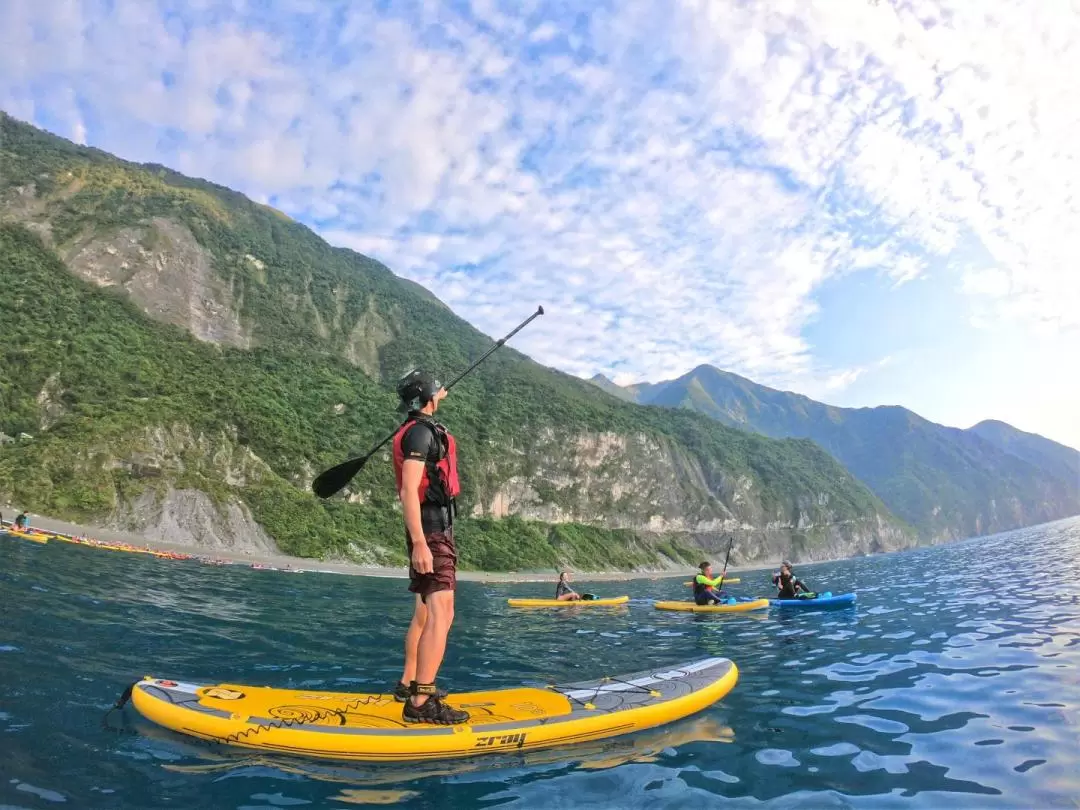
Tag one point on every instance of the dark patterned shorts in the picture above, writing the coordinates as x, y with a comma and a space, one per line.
443, 562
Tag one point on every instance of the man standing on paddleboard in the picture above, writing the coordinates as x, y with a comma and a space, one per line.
425, 470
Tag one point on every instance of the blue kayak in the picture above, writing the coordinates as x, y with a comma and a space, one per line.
822, 600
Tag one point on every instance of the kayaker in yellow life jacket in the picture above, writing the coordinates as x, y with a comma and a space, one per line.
705, 592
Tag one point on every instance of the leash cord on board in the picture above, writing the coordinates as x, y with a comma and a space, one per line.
118, 707
311, 715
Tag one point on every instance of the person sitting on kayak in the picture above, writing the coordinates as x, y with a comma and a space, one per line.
22, 523
563, 591
788, 585
705, 592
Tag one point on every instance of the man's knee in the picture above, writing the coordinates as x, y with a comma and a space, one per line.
420, 612
440, 605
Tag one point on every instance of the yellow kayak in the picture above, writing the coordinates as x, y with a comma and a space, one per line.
690, 607
727, 581
340, 725
614, 600
32, 536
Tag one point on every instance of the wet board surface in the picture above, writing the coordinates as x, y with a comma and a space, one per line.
690, 607
614, 600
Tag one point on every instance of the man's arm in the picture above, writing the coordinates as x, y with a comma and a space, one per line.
411, 474
416, 448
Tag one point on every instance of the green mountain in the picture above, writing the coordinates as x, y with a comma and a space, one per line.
946, 482
1062, 461
186, 361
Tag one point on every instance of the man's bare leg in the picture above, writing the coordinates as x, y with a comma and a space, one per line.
412, 640
432, 646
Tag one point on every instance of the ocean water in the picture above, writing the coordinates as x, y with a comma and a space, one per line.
954, 682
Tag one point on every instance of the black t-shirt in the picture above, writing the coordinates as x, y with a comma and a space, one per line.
420, 444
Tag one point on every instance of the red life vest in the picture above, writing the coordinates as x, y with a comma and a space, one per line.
439, 483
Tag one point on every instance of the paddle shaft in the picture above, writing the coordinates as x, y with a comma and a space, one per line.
334, 479
493, 349
731, 539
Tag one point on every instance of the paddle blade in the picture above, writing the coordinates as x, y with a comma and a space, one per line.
336, 478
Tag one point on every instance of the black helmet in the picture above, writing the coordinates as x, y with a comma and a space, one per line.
416, 389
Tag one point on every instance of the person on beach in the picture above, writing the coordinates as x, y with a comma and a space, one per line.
705, 583
787, 584
563, 591
425, 470
22, 522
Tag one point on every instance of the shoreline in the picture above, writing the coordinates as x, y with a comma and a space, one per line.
312, 565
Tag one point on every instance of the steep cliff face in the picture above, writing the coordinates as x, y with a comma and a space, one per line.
167, 274
213, 433
654, 488
166, 482
189, 517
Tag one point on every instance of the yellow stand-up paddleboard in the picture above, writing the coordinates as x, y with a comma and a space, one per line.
614, 600
690, 607
338, 725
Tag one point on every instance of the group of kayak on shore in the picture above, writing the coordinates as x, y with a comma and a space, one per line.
21, 527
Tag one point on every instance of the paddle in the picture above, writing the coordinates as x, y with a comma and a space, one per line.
731, 539
335, 479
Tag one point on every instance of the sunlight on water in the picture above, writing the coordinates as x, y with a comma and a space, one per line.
952, 682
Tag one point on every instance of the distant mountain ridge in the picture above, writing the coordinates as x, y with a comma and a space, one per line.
944, 481
1031, 447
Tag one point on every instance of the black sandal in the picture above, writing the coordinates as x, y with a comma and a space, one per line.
433, 709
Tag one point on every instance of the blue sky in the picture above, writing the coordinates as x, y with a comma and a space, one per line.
869, 203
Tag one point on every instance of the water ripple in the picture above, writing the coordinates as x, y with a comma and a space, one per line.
926, 694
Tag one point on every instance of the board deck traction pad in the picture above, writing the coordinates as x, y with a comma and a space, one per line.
369, 726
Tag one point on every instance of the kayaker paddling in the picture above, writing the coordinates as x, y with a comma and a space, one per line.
705, 586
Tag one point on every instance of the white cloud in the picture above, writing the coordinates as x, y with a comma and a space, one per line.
952, 117
842, 379
992, 282
674, 183
543, 33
